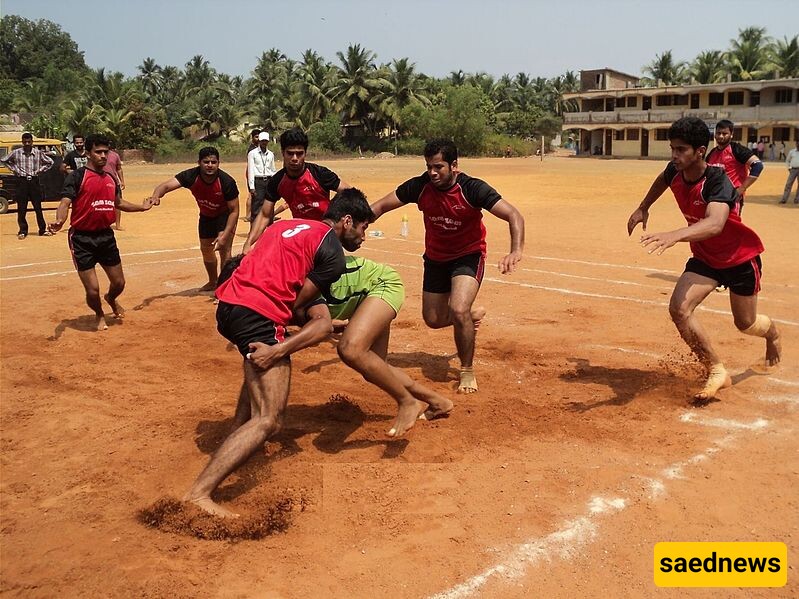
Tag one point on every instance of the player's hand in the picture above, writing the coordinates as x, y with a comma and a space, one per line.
220, 242
658, 242
339, 325
509, 262
245, 249
264, 356
55, 227
154, 201
639, 216
147, 204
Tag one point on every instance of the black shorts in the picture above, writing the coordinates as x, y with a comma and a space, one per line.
242, 326
438, 275
90, 248
211, 226
743, 279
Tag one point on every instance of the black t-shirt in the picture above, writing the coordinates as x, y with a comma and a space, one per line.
75, 161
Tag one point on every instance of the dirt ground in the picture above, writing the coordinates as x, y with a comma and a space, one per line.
579, 453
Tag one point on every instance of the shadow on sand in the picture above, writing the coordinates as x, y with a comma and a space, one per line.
196, 292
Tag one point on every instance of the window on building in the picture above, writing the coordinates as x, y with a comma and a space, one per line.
735, 98
662, 134
782, 133
783, 96
681, 100
754, 98
716, 99
618, 135
621, 102
633, 134
694, 101
632, 101
737, 134
665, 100
610, 105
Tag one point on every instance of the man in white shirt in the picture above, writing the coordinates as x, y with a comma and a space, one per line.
792, 161
260, 167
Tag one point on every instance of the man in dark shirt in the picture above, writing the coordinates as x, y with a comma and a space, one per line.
78, 157
725, 251
296, 261
304, 185
93, 195
451, 203
217, 197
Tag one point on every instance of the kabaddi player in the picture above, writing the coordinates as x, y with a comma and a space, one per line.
725, 251
304, 186
217, 197
364, 302
741, 164
455, 244
94, 195
297, 260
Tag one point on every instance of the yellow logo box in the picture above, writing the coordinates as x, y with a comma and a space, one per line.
721, 564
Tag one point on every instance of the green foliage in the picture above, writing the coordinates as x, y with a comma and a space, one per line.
325, 136
496, 145
28, 47
410, 146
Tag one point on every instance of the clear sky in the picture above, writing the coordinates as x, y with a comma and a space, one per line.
507, 36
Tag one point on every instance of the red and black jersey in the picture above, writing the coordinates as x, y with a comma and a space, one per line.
733, 158
272, 274
308, 196
453, 219
212, 198
94, 197
736, 243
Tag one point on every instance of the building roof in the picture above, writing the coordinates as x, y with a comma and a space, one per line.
684, 89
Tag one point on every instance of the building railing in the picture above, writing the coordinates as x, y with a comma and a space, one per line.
761, 114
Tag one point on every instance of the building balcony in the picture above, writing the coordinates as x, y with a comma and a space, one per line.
755, 115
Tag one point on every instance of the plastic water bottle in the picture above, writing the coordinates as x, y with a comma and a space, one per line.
404, 228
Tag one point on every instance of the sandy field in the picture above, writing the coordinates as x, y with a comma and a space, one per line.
579, 453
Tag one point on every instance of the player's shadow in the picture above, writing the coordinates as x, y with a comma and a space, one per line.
81, 323
662, 276
434, 367
195, 292
762, 200
626, 383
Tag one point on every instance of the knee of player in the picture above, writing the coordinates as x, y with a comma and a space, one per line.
349, 352
679, 311
268, 425
461, 314
434, 321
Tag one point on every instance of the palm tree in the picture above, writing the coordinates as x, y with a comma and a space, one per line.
312, 88
82, 117
784, 56
708, 67
358, 82
747, 58
150, 77
199, 73
404, 87
457, 78
666, 70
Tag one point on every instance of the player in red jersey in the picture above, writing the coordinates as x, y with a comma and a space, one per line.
725, 251
217, 197
295, 261
304, 186
742, 166
94, 195
451, 203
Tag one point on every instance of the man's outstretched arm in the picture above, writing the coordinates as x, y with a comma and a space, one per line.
641, 214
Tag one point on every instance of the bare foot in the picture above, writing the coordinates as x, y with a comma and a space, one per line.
718, 378
773, 346
478, 314
116, 307
206, 505
437, 405
468, 382
209, 286
406, 417
99, 323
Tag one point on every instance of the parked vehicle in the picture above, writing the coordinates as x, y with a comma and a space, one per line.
51, 181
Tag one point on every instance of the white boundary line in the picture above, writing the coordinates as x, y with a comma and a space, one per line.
69, 272
723, 422
29, 264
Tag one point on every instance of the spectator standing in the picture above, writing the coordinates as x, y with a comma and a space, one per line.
28, 163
